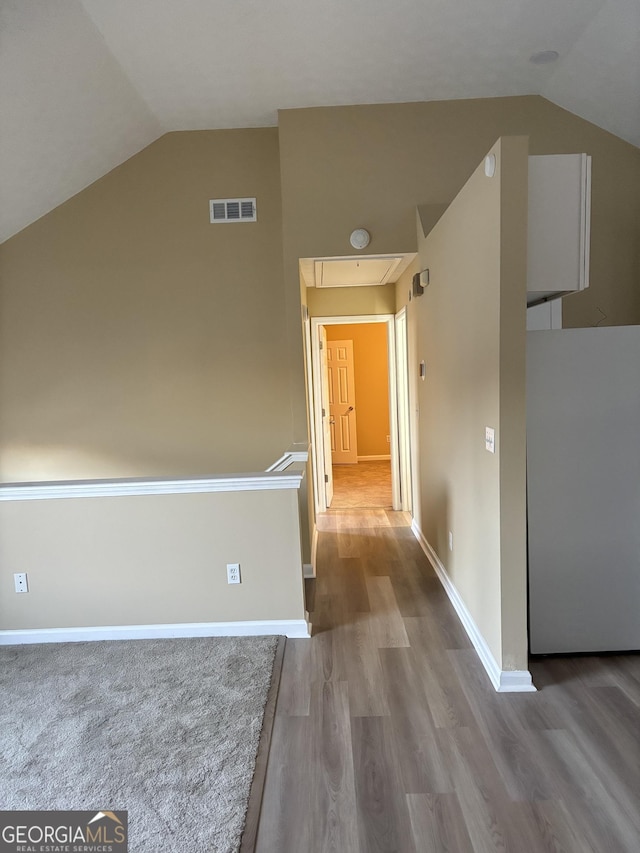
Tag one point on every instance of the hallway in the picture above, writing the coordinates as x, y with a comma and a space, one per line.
389, 736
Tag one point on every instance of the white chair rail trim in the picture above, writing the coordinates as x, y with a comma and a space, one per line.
287, 473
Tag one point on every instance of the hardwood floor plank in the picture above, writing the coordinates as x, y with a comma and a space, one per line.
606, 723
362, 518
441, 627
353, 587
284, 825
361, 662
327, 658
445, 696
383, 815
478, 786
561, 832
625, 671
387, 627
333, 808
438, 824
294, 695
511, 746
605, 824
397, 518
411, 590
422, 766
357, 543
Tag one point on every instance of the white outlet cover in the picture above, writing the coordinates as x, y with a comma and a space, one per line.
490, 439
233, 573
20, 582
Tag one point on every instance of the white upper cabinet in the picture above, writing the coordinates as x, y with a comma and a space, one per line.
559, 225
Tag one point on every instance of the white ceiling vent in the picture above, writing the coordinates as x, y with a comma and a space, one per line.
233, 210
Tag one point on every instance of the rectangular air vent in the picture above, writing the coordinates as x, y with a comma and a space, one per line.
233, 210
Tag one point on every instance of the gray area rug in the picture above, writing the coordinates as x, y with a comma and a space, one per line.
166, 729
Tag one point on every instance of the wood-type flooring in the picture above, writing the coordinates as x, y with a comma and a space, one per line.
389, 737
365, 484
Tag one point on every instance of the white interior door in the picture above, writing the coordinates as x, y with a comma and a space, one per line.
325, 397
342, 402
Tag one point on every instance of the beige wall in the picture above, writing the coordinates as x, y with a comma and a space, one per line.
338, 301
136, 339
371, 371
370, 166
470, 331
146, 560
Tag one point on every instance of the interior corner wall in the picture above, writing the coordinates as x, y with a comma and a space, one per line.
137, 339
474, 294
370, 166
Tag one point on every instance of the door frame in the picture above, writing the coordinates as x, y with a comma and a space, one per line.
316, 407
404, 417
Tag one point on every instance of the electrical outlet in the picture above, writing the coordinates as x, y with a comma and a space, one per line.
450, 541
20, 582
233, 573
388, 439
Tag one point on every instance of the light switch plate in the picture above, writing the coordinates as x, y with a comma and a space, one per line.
490, 439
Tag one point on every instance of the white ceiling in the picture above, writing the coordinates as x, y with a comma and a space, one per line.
84, 84
353, 270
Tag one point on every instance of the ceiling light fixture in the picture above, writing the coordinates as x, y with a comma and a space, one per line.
490, 165
543, 57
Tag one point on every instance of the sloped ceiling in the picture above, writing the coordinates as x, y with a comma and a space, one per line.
85, 84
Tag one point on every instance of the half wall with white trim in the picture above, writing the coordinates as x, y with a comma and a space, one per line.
149, 559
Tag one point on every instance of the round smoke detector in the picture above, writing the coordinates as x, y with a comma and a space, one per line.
360, 238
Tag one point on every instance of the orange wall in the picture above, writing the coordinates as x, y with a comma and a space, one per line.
372, 383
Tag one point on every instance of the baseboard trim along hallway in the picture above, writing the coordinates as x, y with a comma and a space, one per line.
292, 628
504, 681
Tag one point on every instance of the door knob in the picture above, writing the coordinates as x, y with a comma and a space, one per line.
350, 409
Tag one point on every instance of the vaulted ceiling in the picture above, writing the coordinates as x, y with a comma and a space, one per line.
85, 84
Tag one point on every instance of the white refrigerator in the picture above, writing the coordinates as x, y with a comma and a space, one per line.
583, 489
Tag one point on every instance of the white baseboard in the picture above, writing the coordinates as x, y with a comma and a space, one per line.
515, 681
504, 681
294, 628
382, 458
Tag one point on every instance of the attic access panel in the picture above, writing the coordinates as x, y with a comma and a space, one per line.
355, 272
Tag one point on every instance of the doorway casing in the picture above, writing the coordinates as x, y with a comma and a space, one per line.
315, 402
